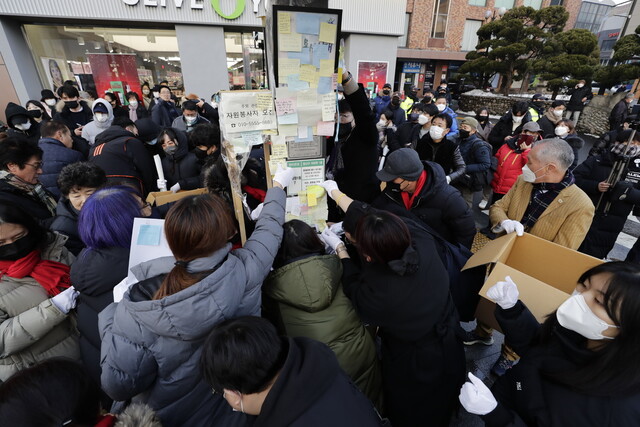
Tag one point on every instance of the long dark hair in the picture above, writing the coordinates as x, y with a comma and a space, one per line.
298, 240
614, 369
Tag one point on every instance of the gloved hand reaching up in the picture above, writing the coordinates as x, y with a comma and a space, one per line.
283, 176
505, 294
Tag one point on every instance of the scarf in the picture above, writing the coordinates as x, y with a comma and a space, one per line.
541, 197
618, 148
37, 191
133, 114
256, 193
552, 117
408, 200
51, 275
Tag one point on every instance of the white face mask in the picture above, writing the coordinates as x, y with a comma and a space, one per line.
530, 176
436, 132
381, 124
575, 315
190, 120
441, 107
133, 104
517, 119
23, 126
580, 85
423, 120
101, 117
561, 131
156, 94
558, 113
50, 102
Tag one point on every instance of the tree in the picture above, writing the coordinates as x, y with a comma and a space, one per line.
625, 64
568, 57
508, 45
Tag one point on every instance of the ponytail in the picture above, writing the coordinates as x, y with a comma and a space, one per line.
177, 280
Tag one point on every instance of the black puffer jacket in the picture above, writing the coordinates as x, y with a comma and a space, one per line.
446, 153
604, 229
439, 205
94, 274
33, 134
182, 167
504, 128
66, 222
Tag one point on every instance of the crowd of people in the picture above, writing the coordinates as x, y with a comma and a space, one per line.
358, 323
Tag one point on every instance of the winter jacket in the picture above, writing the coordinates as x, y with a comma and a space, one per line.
180, 124
33, 205
55, 156
73, 119
453, 131
576, 143
511, 160
381, 104
312, 391
93, 128
548, 124
565, 221
422, 359
483, 131
527, 397
504, 128
446, 153
305, 299
32, 329
94, 274
605, 228
476, 154
66, 222
32, 134
577, 94
618, 115
151, 348
124, 159
182, 167
164, 113
399, 115
439, 205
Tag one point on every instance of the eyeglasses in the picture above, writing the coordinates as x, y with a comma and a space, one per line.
36, 166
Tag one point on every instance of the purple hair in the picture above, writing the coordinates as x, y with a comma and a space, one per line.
106, 219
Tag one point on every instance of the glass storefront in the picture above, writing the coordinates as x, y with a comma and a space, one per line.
242, 49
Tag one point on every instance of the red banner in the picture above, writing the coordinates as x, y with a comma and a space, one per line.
373, 72
115, 73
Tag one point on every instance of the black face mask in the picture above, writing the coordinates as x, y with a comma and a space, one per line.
464, 134
35, 113
18, 249
427, 100
413, 117
200, 154
395, 102
344, 131
392, 186
71, 104
482, 118
386, 92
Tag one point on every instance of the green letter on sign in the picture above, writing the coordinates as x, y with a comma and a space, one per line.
236, 13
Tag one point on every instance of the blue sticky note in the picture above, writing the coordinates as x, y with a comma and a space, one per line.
324, 85
309, 137
320, 51
288, 119
295, 84
307, 23
304, 55
149, 235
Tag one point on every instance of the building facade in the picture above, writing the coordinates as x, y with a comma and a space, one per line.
592, 13
612, 28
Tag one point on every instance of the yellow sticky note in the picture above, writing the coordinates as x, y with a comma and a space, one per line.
279, 151
328, 32
326, 67
311, 200
284, 23
264, 100
288, 66
308, 73
290, 42
328, 107
288, 130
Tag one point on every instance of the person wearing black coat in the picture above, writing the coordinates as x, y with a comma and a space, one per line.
180, 166
444, 151
581, 94
620, 112
124, 159
508, 127
21, 123
164, 112
611, 212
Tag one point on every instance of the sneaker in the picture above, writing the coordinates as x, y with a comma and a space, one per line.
483, 204
472, 338
502, 365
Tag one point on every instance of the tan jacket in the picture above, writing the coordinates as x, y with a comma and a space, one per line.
565, 222
31, 328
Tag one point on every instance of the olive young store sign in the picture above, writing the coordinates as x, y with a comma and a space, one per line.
195, 5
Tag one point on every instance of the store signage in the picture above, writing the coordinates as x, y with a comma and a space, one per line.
195, 5
411, 67
611, 35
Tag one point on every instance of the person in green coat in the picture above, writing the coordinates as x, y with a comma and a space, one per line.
303, 297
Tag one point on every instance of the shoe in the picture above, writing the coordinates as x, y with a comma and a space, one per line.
502, 365
472, 338
483, 204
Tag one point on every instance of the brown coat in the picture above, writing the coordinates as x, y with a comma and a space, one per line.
566, 221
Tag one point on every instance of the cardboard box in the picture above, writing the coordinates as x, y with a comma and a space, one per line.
545, 272
163, 197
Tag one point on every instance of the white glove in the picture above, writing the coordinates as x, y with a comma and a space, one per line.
505, 294
337, 228
476, 397
283, 176
257, 211
175, 187
65, 300
448, 179
329, 186
509, 226
162, 184
330, 239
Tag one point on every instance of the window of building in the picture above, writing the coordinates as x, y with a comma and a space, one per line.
246, 60
470, 36
507, 4
477, 3
536, 4
404, 39
607, 45
591, 16
556, 3
440, 15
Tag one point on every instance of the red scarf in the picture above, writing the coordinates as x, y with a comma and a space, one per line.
51, 275
256, 193
408, 200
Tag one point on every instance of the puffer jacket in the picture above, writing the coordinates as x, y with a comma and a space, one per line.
32, 328
66, 222
511, 160
182, 167
55, 156
151, 348
32, 134
94, 128
305, 299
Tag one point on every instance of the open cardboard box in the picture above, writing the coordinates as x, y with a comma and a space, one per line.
545, 272
163, 197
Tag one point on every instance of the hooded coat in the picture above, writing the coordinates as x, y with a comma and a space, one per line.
55, 156
151, 348
511, 160
94, 128
32, 134
312, 391
504, 128
305, 299
182, 167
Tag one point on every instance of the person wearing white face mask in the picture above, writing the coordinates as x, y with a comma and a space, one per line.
580, 367
102, 119
442, 104
437, 147
566, 131
509, 125
189, 118
136, 108
580, 96
551, 118
21, 123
